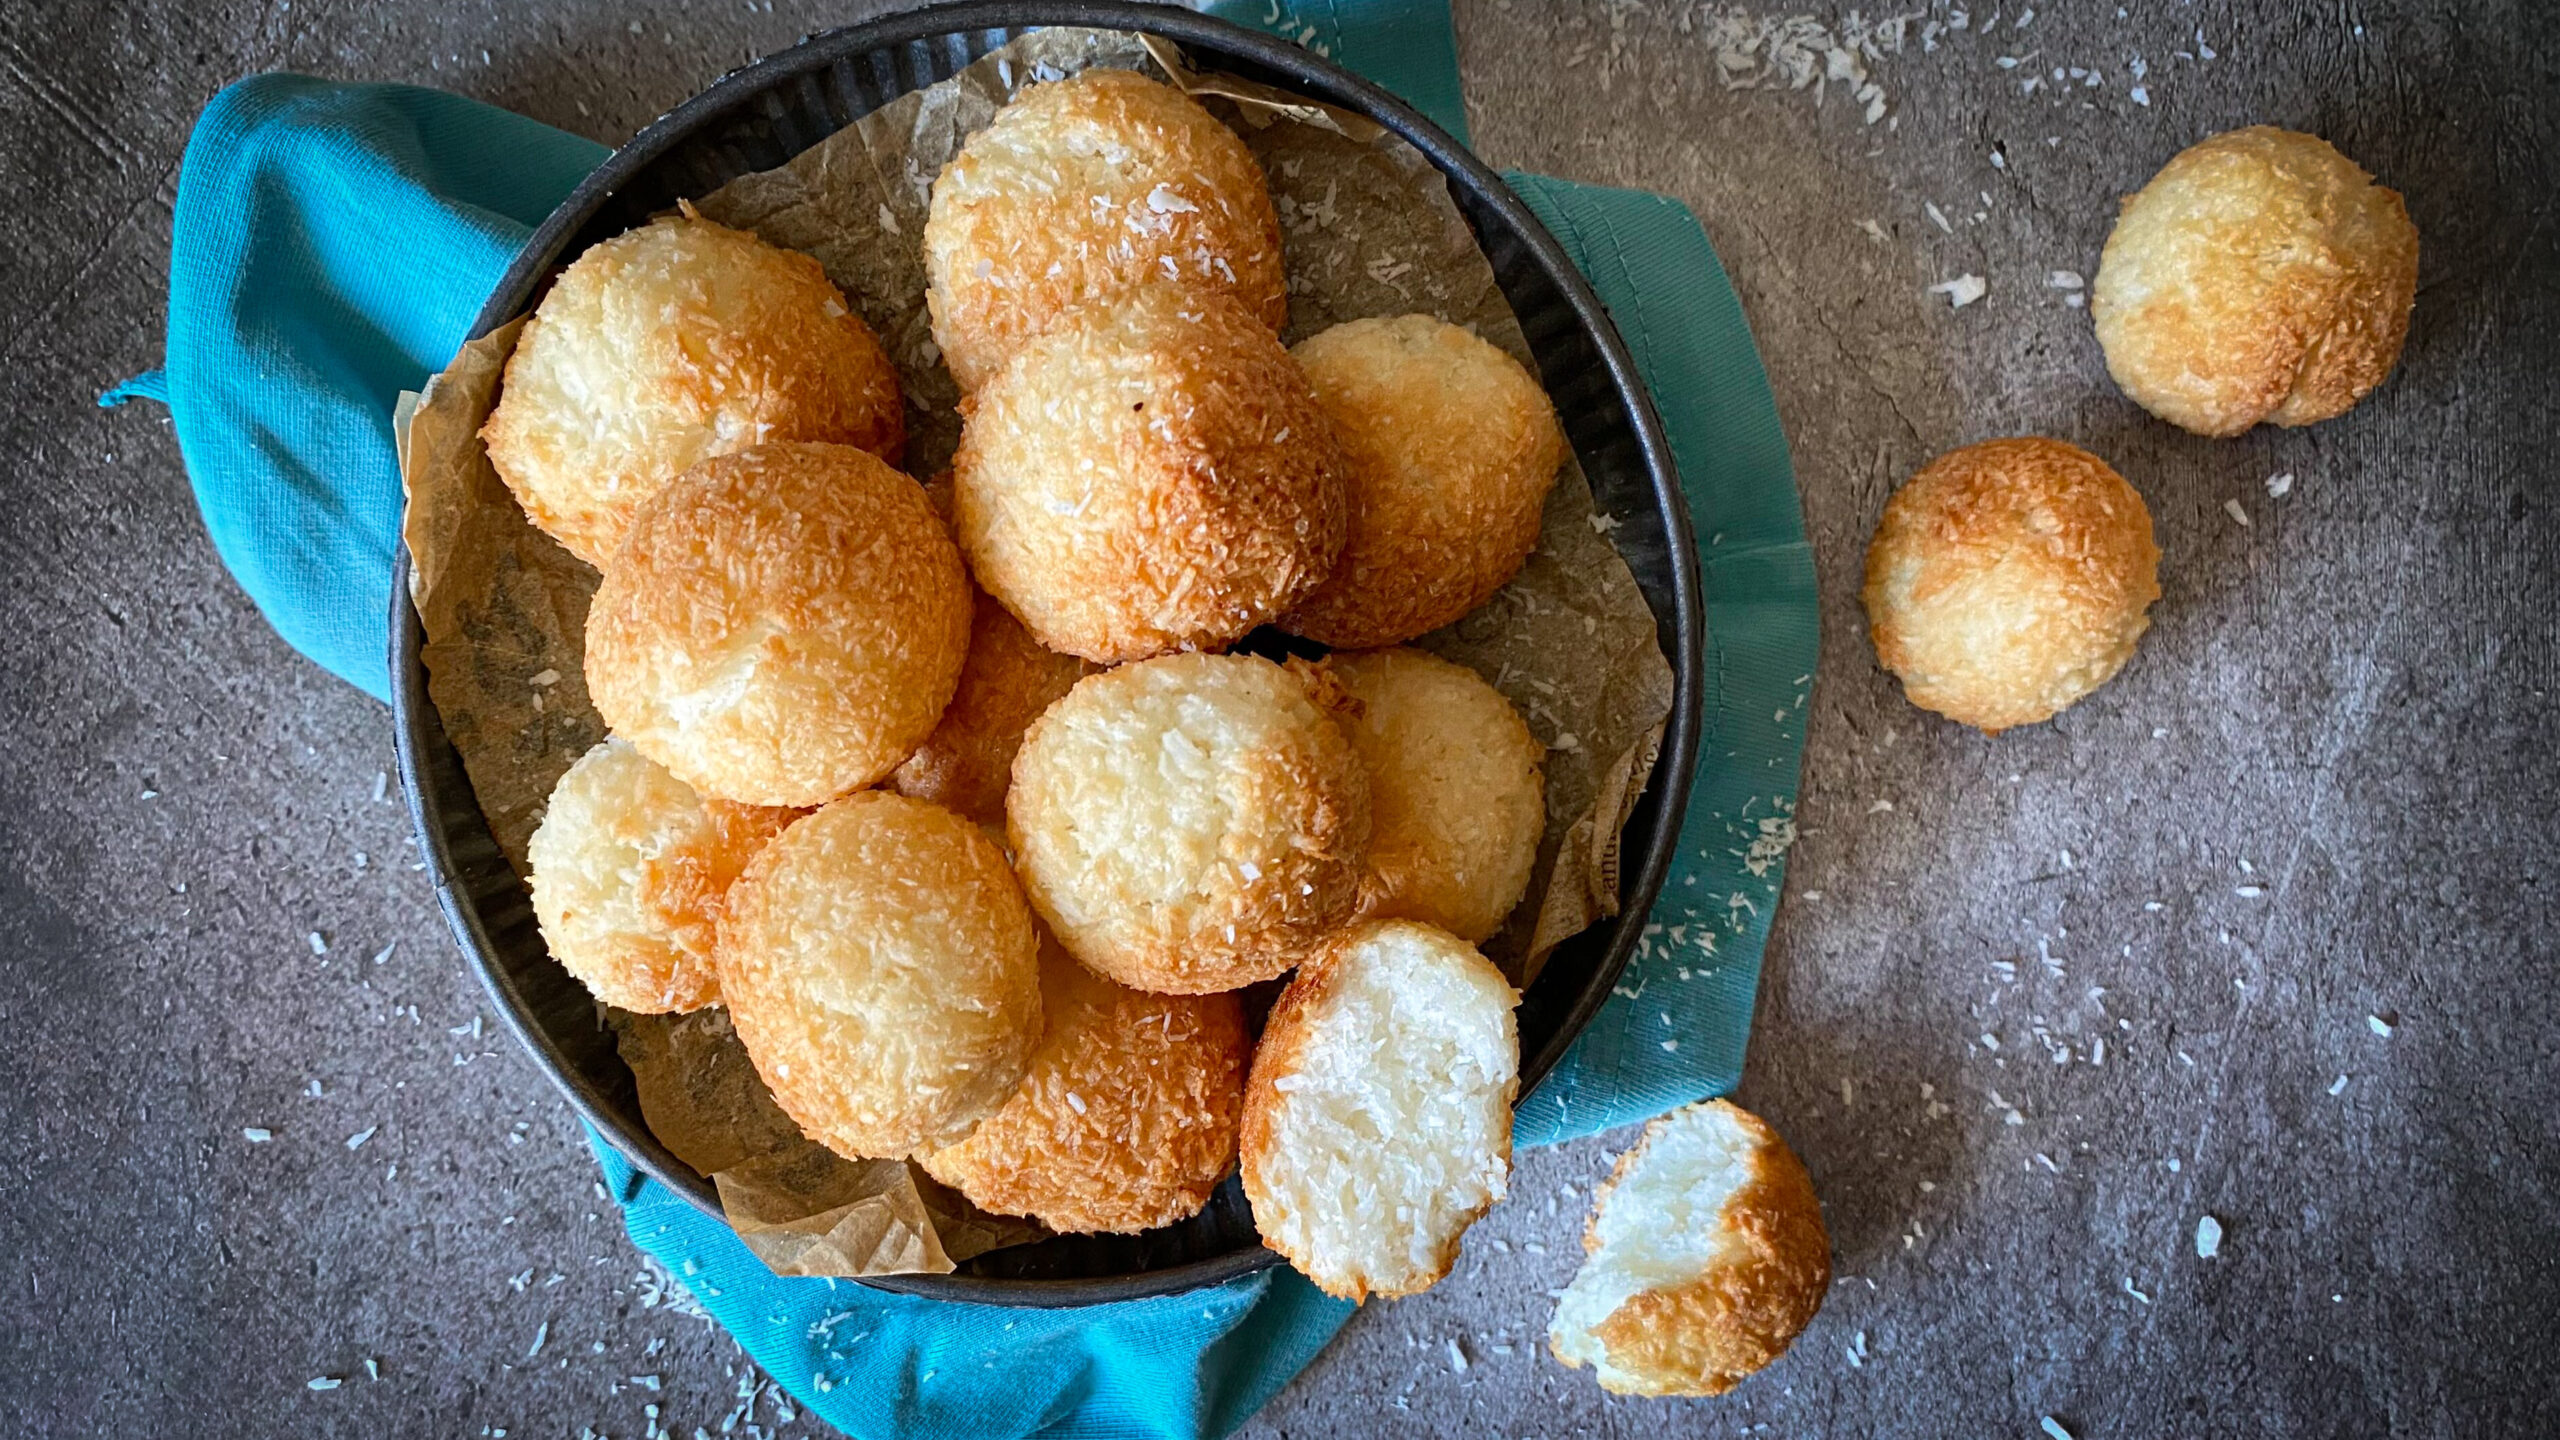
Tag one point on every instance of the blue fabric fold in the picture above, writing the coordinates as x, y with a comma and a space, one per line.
333, 243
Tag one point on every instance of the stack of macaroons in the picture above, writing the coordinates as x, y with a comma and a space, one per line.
957, 798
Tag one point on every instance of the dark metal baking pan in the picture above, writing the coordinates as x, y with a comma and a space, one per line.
759, 117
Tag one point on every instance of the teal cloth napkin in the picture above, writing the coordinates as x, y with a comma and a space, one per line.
332, 244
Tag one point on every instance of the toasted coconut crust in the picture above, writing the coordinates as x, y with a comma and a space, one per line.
1453, 448
630, 870
665, 346
2008, 579
781, 625
2261, 275
1127, 1117
1767, 1268
1456, 802
1148, 476
1080, 189
1008, 679
1375, 1132
1189, 824
883, 973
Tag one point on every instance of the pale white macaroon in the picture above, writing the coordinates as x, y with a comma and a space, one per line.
1706, 1256
1377, 1122
631, 867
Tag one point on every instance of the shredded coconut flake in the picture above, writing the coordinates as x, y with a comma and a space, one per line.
2208, 1238
1962, 290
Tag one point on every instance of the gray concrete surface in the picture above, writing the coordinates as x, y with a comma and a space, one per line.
2323, 792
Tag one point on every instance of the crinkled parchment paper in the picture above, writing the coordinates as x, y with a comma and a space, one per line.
1369, 229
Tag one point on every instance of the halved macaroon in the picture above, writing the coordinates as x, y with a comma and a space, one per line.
1706, 1258
1377, 1124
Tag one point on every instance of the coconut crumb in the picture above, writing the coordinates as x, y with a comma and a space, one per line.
2053, 1428
2237, 513
1962, 290
2383, 1026
2208, 1238
2279, 486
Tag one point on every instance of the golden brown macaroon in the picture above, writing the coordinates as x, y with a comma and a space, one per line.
1147, 476
1190, 824
630, 868
2261, 275
1705, 1257
1453, 448
781, 625
1008, 679
1456, 801
1377, 1123
2008, 579
1127, 1118
1079, 189
665, 346
883, 974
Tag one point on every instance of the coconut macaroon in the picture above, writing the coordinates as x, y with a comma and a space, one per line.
2261, 275
1127, 1117
781, 625
1377, 1123
665, 346
1453, 448
1082, 188
1147, 476
1456, 801
883, 974
1705, 1257
2008, 579
1189, 824
630, 868
1008, 679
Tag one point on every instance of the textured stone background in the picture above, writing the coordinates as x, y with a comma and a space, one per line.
2323, 791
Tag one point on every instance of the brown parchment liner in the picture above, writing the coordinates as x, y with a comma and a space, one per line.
1369, 229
